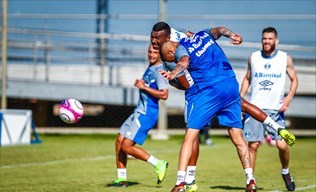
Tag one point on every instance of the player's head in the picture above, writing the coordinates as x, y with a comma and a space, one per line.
269, 40
160, 33
167, 51
153, 55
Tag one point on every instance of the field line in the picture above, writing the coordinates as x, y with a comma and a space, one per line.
169, 150
298, 189
58, 162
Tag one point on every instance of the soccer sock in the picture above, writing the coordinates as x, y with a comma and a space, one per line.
190, 174
180, 178
268, 121
121, 173
249, 174
285, 171
152, 160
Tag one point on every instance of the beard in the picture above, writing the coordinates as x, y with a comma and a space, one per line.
268, 48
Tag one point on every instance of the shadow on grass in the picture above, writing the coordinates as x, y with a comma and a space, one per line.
230, 188
129, 183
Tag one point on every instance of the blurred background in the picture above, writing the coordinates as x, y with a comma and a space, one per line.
93, 50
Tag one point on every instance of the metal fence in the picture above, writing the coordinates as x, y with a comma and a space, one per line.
53, 49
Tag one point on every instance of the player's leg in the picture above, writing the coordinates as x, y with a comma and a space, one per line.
121, 156
244, 156
138, 133
121, 161
190, 185
262, 117
190, 137
229, 116
253, 148
284, 155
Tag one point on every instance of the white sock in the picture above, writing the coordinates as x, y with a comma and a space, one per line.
180, 178
152, 160
121, 173
249, 174
285, 171
268, 121
190, 174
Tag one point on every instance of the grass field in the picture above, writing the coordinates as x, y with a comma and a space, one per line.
87, 163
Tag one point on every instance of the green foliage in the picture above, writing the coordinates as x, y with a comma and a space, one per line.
87, 163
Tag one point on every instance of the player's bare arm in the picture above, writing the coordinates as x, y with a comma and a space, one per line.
291, 72
246, 81
182, 64
217, 32
160, 94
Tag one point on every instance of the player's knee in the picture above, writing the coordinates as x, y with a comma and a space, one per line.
253, 147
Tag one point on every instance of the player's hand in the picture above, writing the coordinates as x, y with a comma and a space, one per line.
285, 104
235, 39
140, 83
165, 74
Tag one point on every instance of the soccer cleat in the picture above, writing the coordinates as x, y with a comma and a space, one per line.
161, 170
178, 188
191, 187
288, 137
251, 186
289, 182
119, 183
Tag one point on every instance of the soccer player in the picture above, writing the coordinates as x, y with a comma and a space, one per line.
161, 32
266, 74
152, 87
214, 92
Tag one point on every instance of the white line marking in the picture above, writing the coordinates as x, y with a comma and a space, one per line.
298, 189
58, 162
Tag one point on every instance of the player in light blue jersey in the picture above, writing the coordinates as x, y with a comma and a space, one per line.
214, 92
152, 87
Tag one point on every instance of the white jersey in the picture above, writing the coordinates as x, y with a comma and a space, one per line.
268, 79
176, 36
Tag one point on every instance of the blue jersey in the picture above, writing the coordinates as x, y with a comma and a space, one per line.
208, 62
148, 104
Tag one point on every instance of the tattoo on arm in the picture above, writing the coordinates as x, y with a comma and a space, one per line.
225, 32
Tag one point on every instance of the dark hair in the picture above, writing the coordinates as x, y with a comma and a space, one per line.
270, 30
162, 26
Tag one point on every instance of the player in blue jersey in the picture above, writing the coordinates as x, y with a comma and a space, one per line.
214, 92
152, 87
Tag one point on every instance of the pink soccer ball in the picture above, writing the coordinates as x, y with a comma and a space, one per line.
70, 111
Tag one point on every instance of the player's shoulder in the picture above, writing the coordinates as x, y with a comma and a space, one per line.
280, 52
256, 54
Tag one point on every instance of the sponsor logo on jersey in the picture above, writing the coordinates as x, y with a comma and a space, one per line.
267, 66
271, 75
266, 85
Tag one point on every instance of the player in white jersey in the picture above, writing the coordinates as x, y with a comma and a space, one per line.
134, 130
266, 75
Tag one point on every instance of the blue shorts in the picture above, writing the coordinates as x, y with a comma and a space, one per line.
255, 130
221, 99
137, 126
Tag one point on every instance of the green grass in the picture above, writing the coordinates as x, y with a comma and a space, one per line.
87, 163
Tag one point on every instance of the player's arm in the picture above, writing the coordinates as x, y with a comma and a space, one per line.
217, 32
246, 81
182, 64
291, 72
180, 82
160, 94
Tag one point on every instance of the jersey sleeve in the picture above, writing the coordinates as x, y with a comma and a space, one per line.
162, 83
180, 52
